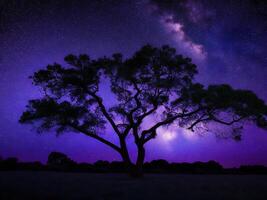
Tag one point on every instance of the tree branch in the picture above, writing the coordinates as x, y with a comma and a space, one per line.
191, 127
167, 121
132, 124
105, 113
199, 120
104, 141
224, 122
141, 117
151, 136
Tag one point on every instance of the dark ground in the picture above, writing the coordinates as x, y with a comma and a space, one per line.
56, 185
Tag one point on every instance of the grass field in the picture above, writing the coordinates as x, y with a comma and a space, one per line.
53, 185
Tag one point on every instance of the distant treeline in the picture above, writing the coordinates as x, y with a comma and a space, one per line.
60, 162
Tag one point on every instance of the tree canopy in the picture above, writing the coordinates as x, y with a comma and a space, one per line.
152, 81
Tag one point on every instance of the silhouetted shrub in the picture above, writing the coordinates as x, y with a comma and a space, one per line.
162, 166
157, 166
117, 166
85, 167
9, 163
253, 169
102, 166
60, 161
209, 167
35, 166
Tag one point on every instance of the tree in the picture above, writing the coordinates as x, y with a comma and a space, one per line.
59, 159
153, 81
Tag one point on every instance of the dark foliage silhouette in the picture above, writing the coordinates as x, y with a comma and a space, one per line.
153, 81
252, 169
62, 163
12, 163
57, 160
9, 163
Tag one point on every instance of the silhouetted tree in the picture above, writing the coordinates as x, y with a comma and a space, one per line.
157, 166
117, 166
33, 166
10, 163
59, 160
153, 81
253, 169
102, 165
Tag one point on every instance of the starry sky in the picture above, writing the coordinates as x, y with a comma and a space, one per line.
226, 39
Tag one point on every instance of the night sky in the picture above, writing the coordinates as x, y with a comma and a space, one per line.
226, 39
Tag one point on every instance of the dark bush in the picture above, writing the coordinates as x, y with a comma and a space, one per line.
9, 164
60, 161
253, 169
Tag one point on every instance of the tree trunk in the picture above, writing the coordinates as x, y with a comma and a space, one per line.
137, 170
134, 170
125, 155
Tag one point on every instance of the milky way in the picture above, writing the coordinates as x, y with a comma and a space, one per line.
226, 39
